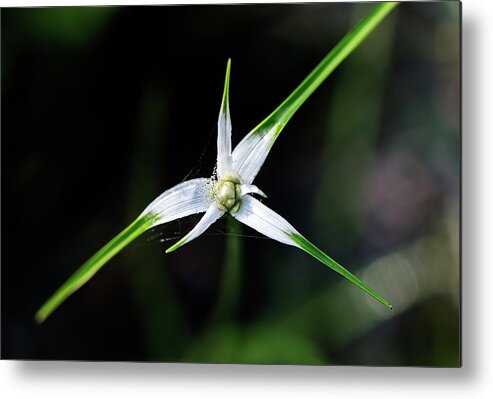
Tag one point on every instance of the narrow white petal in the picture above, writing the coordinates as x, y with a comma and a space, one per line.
187, 198
224, 160
250, 154
263, 219
251, 189
213, 213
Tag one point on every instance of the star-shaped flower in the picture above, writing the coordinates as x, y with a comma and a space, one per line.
230, 189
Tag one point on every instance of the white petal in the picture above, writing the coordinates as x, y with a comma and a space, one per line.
263, 219
251, 189
187, 198
213, 213
224, 160
250, 154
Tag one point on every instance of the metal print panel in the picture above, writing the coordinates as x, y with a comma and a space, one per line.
261, 184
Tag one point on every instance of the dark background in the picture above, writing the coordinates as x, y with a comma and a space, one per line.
104, 108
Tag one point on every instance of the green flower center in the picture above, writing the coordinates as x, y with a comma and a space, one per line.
227, 195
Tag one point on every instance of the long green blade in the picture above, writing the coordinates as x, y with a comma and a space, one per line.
88, 269
339, 53
318, 254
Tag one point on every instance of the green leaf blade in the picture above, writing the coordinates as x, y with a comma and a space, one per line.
225, 99
322, 257
91, 266
331, 61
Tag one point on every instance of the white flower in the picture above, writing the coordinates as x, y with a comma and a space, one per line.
230, 191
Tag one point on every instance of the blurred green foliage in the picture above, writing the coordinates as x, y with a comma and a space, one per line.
64, 26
